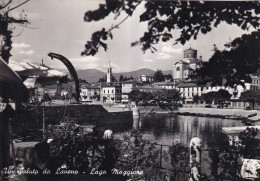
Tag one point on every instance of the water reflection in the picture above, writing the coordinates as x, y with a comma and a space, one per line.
168, 129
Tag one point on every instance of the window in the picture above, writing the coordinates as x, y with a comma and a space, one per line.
108, 91
112, 91
104, 91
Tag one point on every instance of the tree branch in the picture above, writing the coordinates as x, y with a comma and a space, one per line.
13, 20
15, 7
6, 4
116, 26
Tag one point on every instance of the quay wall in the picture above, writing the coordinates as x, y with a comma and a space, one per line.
156, 109
84, 114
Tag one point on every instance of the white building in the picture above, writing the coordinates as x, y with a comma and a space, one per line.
127, 87
111, 92
185, 67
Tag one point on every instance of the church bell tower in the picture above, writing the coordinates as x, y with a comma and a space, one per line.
109, 74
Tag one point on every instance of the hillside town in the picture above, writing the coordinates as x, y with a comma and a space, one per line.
111, 91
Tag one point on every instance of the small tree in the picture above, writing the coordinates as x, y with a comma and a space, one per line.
250, 96
196, 99
222, 96
121, 78
158, 76
135, 96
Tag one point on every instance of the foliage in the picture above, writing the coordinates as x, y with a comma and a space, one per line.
82, 80
6, 22
179, 157
248, 138
92, 151
158, 76
138, 154
167, 96
232, 66
230, 157
135, 96
250, 96
191, 17
196, 99
230, 163
104, 79
168, 77
121, 78
102, 153
220, 96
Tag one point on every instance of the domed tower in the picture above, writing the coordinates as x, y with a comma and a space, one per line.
190, 54
185, 67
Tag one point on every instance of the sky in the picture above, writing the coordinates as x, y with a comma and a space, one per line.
57, 26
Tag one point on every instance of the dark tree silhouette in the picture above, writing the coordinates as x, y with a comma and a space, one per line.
6, 20
250, 96
121, 78
191, 17
234, 65
227, 68
158, 76
104, 79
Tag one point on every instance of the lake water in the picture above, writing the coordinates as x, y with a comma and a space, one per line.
168, 129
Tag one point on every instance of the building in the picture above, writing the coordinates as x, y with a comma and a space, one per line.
148, 88
90, 93
185, 67
127, 87
189, 90
146, 78
165, 85
111, 92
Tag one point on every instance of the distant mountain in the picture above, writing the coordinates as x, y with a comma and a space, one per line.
135, 74
93, 75
90, 75
166, 72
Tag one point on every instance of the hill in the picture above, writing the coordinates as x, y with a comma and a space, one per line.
93, 75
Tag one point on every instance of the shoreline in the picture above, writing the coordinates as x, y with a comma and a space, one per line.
229, 113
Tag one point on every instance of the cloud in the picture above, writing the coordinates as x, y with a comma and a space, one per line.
163, 56
84, 59
20, 45
170, 49
115, 67
87, 62
148, 60
168, 52
28, 52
